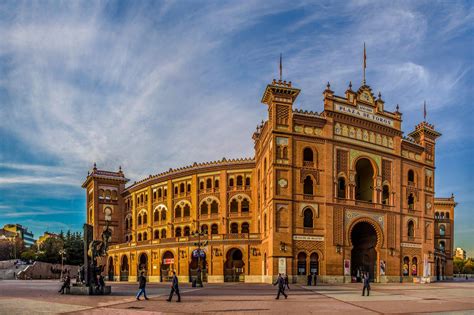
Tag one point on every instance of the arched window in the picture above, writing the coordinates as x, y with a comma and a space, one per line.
405, 267
216, 183
101, 194
414, 267
107, 194
187, 231
341, 187
209, 183
204, 229
165, 192
176, 189
308, 186
139, 237
247, 181
231, 182
157, 234
154, 195
163, 215
245, 228
159, 193
145, 236
204, 208
442, 245
411, 201
145, 218
201, 185
163, 233
214, 229
442, 230
436, 215
186, 211
447, 215
302, 264
177, 232
139, 220
156, 216
239, 180
308, 218
234, 228
411, 176
364, 180
385, 195
234, 206
214, 207
411, 229
181, 188
245, 205
189, 188
308, 155
177, 212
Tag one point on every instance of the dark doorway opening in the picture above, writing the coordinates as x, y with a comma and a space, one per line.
234, 266
111, 269
124, 269
363, 254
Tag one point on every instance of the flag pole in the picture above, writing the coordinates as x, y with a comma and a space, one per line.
365, 64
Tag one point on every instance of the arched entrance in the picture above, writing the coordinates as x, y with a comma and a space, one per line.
314, 264
364, 180
234, 265
111, 269
198, 265
142, 265
363, 254
167, 267
124, 268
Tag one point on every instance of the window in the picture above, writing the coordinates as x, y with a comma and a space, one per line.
442, 230
204, 229
214, 229
442, 245
163, 215
234, 228
308, 186
165, 192
163, 233
231, 182
177, 232
414, 267
187, 210
175, 190
411, 176
139, 220
201, 185
157, 234
214, 207
139, 237
186, 231
245, 205
302, 264
209, 183
204, 208
159, 193
145, 218
234, 206
126, 238
247, 181
181, 188
411, 201
156, 216
145, 236
447, 215
177, 212
308, 218
189, 188
126, 224
385, 195
308, 155
216, 183
239, 180
364, 180
245, 228
436, 215
411, 229
341, 187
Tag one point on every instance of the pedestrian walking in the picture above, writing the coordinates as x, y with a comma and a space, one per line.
287, 282
366, 281
141, 286
281, 287
174, 288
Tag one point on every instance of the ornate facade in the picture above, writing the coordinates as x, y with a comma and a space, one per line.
331, 193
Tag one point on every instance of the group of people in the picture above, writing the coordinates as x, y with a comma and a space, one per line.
312, 279
174, 287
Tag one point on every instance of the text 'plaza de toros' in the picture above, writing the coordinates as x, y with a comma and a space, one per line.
332, 193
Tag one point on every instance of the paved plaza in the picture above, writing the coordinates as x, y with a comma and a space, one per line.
41, 297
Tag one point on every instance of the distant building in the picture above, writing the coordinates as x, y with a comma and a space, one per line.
460, 253
44, 237
7, 235
21, 232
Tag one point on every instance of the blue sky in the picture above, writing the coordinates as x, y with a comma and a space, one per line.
160, 84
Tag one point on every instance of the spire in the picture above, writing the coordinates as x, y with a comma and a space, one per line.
365, 64
281, 67
424, 111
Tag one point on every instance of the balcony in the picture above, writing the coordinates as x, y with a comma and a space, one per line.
308, 197
308, 164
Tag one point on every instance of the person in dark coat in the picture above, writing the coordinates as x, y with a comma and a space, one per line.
174, 288
281, 286
315, 279
287, 282
141, 286
310, 276
366, 281
66, 284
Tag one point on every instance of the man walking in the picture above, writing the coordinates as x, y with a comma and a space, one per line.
141, 286
366, 281
287, 282
174, 288
281, 286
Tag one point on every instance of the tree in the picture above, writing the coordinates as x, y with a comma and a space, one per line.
50, 250
458, 265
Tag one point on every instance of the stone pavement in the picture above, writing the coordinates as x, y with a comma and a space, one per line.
41, 297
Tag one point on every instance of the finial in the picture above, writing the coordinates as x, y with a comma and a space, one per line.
350, 85
452, 195
95, 166
398, 107
380, 95
120, 168
328, 85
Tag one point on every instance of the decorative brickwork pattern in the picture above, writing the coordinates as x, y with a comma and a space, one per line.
338, 226
282, 114
391, 231
386, 170
309, 246
342, 161
411, 252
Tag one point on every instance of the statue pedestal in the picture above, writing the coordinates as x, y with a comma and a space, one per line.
82, 289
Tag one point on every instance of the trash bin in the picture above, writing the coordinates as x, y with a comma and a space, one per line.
194, 283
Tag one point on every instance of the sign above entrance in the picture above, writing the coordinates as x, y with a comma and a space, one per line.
411, 245
168, 261
308, 238
363, 112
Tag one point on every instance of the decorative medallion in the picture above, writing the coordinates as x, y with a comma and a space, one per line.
283, 183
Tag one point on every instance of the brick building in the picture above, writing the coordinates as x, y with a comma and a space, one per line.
331, 193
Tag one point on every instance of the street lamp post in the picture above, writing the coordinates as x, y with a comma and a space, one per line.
62, 252
199, 244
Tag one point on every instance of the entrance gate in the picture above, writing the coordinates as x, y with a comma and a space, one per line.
363, 254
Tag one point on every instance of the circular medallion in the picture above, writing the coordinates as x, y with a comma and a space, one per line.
283, 183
